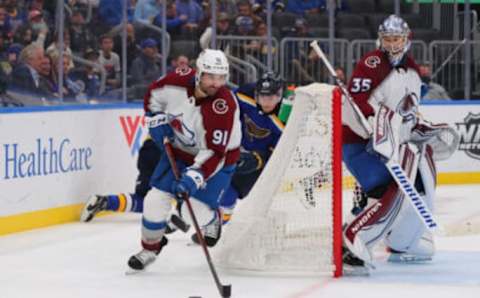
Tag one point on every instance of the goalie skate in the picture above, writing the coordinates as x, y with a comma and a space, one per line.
352, 265
407, 258
94, 205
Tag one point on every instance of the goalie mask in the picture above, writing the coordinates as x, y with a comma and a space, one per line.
213, 62
268, 92
394, 38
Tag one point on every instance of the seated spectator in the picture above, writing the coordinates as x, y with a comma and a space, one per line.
223, 28
39, 6
244, 25
111, 61
54, 48
10, 61
38, 25
192, 10
5, 25
110, 12
340, 73
24, 35
146, 68
175, 21
26, 77
71, 90
179, 61
132, 46
146, 10
302, 7
431, 90
88, 74
244, 8
80, 36
16, 16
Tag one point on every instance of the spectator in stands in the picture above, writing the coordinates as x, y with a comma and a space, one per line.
146, 10
132, 46
88, 74
244, 8
223, 28
110, 12
111, 61
24, 35
10, 61
5, 26
39, 6
431, 89
54, 48
146, 68
16, 16
244, 25
80, 36
340, 73
26, 77
38, 25
71, 90
258, 48
227, 6
175, 21
194, 13
46, 81
302, 7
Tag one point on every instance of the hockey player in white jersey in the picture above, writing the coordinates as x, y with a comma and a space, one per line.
386, 85
200, 116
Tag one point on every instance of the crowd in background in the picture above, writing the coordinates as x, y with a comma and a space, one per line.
30, 51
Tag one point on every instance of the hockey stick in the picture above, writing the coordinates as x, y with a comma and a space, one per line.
398, 174
224, 290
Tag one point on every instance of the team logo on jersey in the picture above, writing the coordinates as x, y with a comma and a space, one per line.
469, 132
372, 61
183, 70
184, 135
254, 131
133, 129
220, 106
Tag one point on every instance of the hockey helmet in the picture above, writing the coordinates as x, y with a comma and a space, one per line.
213, 62
394, 26
269, 84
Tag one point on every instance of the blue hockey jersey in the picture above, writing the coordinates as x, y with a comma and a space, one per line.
260, 132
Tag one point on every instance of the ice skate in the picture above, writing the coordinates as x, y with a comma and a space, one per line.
95, 204
211, 232
138, 262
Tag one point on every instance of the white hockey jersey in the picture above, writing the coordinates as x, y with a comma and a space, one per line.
373, 82
207, 131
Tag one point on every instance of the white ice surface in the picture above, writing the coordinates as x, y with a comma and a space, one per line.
89, 260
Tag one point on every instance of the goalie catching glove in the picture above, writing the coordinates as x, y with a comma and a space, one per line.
188, 184
159, 127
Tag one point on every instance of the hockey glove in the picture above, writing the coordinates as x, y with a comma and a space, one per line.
250, 162
188, 184
159, 127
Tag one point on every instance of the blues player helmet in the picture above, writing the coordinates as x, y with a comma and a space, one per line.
268, 92
269, 84
394, 38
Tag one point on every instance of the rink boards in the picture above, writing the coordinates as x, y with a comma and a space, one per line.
53, 158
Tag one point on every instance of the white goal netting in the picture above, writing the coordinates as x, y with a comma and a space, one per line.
285, 223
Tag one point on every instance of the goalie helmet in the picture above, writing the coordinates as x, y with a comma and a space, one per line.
394, 26
213, 62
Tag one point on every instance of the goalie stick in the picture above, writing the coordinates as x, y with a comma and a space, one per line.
224, 290
398, 174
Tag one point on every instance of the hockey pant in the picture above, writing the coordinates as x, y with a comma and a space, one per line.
390, 217
157, 203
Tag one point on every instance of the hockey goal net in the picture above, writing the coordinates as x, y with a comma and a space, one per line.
291, 220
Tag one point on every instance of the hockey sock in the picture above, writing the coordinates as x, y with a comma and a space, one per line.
121, 203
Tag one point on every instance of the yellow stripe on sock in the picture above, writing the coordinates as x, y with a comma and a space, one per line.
122, 203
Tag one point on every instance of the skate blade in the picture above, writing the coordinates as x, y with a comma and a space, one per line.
131, 271
407, 259
355, 270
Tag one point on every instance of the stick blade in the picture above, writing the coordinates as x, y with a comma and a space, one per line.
226, 291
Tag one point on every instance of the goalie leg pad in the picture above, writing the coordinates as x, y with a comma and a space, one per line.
408, 234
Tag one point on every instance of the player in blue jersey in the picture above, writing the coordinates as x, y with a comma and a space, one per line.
261, 129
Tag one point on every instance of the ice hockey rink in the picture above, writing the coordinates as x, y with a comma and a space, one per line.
81, 260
